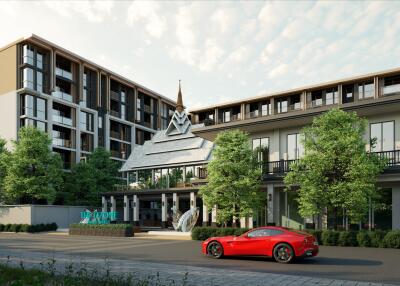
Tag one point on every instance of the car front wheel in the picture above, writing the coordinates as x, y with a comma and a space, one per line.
215, 249
283, 253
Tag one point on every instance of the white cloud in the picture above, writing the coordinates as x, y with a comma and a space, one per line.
93, 11
147, 12
278, 71
212, 53
223, 18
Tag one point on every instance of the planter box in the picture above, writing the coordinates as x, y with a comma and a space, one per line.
123, 232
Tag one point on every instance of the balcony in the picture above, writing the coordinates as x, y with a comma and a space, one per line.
63, 73
253, 114
61, 119
62, 95
296, 106
280, 168
391, 89
114, 113
62, 143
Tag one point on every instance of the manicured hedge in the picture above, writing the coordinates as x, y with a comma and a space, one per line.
202, 233
28, 228
377, 238
119, 230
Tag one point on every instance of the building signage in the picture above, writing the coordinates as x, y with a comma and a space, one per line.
95, 217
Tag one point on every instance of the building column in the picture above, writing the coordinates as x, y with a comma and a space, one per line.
103, 204
270, 204
113, 204
192, 200
214, 216
250, 222
126, 208
243, 222
135, 210
175, 201
396, 208
163, 211
205, 215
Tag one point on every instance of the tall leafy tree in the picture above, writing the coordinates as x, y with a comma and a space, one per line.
88, 179
34, 172
336, 171
4, 154
234, 178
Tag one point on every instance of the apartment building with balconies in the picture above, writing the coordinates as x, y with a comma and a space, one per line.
79, 103
274, 121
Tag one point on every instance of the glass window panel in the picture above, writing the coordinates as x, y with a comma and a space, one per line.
39, 81
376, 131
123, 111
388, 136
300, 147
39, 60
256, 143
123, 96
28, 78
292, 146
41, 108
264, 142
41, 125
227, 116
83, 120
100, 122
369, 90
329, 98
28, 55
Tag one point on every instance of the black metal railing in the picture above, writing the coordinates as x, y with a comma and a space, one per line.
283, 166
393, 157
276, 167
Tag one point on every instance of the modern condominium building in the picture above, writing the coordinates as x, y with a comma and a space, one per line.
79, 103
274, 121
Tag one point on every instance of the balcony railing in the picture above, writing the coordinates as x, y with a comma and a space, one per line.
119, 136
253, 114
114, 95
391, 89
393, 157
283, 166
147, 108
117, 154
296, 106
62, 142
64, 73
62, 95
276, 167
233, 117
62, 119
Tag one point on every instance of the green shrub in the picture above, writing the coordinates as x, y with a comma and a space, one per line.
12, 228
53, 226
2, 227
376, 238
363, 239
317, 234
392, 239
330, 237
203, 233
8, 227
347, 238
18, 227
24, 228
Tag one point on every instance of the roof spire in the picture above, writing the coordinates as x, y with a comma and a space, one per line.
179, 102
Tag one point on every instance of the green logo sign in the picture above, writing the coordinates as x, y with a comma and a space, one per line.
95, 217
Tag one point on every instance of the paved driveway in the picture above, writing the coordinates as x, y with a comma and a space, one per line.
344, 263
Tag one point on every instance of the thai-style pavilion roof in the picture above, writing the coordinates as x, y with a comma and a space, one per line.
175, 146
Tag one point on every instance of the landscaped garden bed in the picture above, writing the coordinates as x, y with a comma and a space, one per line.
118, 230
28, 228
377, 238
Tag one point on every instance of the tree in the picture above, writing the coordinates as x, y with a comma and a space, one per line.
34, 172
336, 171
234, 178
88, 179
3, 164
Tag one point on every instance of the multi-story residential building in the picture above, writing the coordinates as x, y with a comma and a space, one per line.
79, 103
274, 121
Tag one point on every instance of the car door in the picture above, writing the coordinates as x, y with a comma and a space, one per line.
254, 242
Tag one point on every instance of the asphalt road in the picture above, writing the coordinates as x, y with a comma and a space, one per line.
346, 263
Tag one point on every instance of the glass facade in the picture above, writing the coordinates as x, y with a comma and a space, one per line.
295, 148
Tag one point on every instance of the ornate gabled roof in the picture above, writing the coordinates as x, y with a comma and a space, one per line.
175, 146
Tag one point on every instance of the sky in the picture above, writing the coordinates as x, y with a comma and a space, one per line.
221, 50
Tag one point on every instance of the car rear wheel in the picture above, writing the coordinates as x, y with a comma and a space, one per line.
283, 253
215, 249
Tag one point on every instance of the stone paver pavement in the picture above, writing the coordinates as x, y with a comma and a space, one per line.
171, 272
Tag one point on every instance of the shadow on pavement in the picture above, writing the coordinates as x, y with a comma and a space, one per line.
316, 260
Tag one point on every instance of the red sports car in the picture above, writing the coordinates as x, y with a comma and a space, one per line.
283, 244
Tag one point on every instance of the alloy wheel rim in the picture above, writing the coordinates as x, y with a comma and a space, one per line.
284, 253
214, 249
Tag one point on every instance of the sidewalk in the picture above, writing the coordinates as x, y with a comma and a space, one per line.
171, 272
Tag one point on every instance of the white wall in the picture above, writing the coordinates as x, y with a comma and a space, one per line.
9, 117
36, 214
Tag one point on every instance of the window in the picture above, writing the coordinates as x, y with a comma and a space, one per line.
33, 107
383, 132
27, 78
123, 114
39, 81
366, 90
282, 105
391, 85
294, 147
348, 93
266, 108
332, 96
86, 121
39, 60
28, 55
264, 232
260, 142
30, 122
316, 98
226, 116
100, 122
